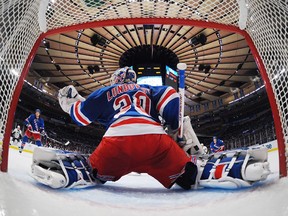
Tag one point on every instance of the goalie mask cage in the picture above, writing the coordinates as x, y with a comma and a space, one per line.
24, 24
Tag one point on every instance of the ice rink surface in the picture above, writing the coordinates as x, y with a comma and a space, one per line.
136, 195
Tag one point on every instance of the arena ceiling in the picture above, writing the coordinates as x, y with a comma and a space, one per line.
63, 59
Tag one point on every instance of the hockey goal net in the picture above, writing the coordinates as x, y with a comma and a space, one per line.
24, 23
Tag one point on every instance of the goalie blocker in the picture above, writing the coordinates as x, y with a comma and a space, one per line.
229, 170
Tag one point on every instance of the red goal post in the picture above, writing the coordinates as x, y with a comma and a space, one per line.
277, 102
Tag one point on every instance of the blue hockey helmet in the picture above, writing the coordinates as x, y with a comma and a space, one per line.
214, 137
38, 110
123, 75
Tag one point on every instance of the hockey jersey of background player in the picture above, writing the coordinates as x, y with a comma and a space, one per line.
129, 109
37, 124
217, 147
17, 133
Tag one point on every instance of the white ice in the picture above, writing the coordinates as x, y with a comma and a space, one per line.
136, 195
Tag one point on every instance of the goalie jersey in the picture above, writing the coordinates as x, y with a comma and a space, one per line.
129, 109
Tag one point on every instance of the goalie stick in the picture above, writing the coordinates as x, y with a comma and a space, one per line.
181, 68
61, 143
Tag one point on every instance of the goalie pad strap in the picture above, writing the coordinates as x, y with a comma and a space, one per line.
214, 167
74, 172
231, 164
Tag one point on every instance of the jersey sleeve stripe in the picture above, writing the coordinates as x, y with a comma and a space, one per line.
167, 96
164, 96
78, 115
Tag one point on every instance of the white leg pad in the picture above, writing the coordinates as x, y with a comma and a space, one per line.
254, 168
224, 183
48, 177
60, 169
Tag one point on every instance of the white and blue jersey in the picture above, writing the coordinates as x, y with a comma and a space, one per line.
36, 123
129, 109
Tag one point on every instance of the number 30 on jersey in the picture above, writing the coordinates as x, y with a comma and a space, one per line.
140, 100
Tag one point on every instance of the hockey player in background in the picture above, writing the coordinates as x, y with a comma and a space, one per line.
16, 135
135, 141
217, 145
35, 128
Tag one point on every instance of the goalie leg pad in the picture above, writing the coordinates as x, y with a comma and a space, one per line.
48, 177
77, 170
60, 169
236, 169
256, 171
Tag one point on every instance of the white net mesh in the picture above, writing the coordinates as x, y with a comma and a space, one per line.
19, 29
18, 33
267, 26
66, 13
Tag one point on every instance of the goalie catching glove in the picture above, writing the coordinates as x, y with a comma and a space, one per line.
60, 169
67, 96
189, 143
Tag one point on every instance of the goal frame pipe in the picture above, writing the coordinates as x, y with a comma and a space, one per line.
135, 21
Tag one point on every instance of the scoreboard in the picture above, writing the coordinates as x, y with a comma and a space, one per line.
156, 75
171, 78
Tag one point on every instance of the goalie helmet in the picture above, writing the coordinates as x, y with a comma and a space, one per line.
123, 75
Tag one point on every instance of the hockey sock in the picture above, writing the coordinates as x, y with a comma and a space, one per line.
24, 140
38, 143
